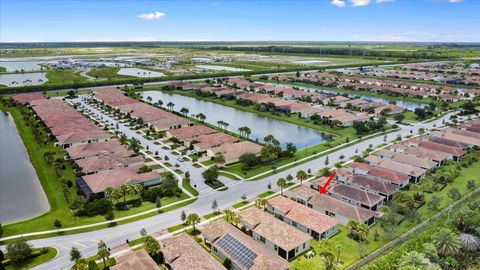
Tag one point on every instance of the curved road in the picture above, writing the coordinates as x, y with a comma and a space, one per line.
87, 242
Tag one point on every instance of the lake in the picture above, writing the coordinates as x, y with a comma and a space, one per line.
141, 73
21, 194
285, 132
13, 66
21, 79
220, 68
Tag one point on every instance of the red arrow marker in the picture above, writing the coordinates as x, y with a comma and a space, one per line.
324, 188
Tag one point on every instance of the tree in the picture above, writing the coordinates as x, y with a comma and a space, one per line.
227, 263
249, 160
192, 220
454, 193
184, 111
413, 260
143, 232
281, 183
201, 117
289, 178
469, 242
19, 250
326, 161
75, 256
124, 189
210, 174
471, 185
352, 225
447, 243
325, 172
183, 216
399, 117
103, 253
57, 223
214, 206
430, 251
219, 159
170, 105
421, 113
302, 176
434, 203
152, 247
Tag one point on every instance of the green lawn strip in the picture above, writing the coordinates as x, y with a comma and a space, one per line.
240, 204
176, 227
186, 185
211, 215
35, 261
350, 248
208, 162
196, 165
64, 93
423, 236
136, 242
228, 175
109, 73
155, 166
167, 164
266, 194
110, 262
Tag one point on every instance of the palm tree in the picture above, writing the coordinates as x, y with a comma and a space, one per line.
363, 230
219, 159
170, 105
134, 145
149, 98
103, 253
225, 125
124, 190
184, 111
247, 131
152, 246
447, 243
137, 189
240, 131
220, 123
302, 175
201, 117
123, 139
469, 242
160, 102
353, 226
413, 260
109, 192
75, 256
192, 220
260, 203
282, 183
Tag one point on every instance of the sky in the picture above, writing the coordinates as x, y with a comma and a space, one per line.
236, 20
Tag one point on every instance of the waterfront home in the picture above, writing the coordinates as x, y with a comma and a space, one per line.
108, 161
204, 142
279, 237
301, 217
233, 151
183, 253
341, 211
226, 241
190, 132
95, 149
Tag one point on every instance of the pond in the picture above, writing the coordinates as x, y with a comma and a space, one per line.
13, 66
285, 132
141, 73
221, 68
21, 194
21, 79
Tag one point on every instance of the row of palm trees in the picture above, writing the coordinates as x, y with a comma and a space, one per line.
123, 191
283, 182
244, 132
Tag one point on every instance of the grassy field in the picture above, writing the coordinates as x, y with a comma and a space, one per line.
35, 261
59, 208
109, 73
55, 76
350, 248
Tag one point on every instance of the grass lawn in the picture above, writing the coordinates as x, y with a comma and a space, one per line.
155, 166
240, 204
350, 248
64, 93
211, 215
176, 227
423, 237
64, 76
208, 162
186, 184
136, 242
266, 194
109, 73
35, 261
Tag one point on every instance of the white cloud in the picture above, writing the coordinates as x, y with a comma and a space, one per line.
338, 3
360, 3
157, 15
383, 1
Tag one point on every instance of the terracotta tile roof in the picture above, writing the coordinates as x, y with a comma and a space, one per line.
331, 204
395, 166
212, 140
235, 150
266, 225
108, 161
183, 253
93, 149
27, 97
191, 132
138, 260
360, 196
114, 178
372, 183
303, 215
442, 148
265, 259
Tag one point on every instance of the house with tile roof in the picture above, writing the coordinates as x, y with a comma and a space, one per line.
245, 253
285, 241
138, 260
305, 219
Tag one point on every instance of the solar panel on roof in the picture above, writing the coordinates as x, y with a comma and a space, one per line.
237, 250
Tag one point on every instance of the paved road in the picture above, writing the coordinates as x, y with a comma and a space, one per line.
87, 242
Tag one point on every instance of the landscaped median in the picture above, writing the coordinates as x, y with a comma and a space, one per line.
37, 257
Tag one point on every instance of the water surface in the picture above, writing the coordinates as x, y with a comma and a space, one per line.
21, 194
142, 73
285, 132
22, 79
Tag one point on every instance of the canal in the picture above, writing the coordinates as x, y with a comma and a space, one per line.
285, 132
21, 194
